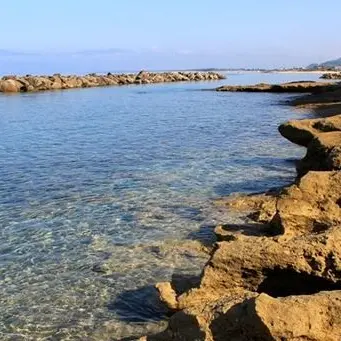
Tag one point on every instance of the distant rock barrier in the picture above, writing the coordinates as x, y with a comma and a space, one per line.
336, 75
30, 83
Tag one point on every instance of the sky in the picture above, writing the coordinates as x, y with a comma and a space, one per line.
79, 36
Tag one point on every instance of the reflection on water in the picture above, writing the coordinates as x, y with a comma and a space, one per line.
104, 192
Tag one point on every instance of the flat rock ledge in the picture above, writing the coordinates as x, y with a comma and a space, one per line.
282, 280
58, 82
291, 87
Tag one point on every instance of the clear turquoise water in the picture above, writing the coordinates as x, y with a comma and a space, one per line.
105, 191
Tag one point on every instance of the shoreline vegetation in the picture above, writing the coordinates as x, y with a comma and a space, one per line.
277, 277
31, 83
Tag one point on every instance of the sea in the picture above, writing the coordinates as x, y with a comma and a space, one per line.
106, 191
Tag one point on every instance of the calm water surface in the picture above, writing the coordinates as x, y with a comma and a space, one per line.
105, 191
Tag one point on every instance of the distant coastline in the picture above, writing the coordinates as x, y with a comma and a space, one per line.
289, 70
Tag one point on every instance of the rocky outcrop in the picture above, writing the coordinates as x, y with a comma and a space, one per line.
331, 75
323, 153
291, 87
302, 132
310, 205
313, 317
322, 137
281, 281
59, 82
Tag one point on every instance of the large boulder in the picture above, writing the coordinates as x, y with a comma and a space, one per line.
10, 85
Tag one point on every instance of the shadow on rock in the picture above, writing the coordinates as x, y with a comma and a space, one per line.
205, 234
139, 305
251, 186
182, 282
226, 232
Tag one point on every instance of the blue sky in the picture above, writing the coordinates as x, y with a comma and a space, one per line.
103, 35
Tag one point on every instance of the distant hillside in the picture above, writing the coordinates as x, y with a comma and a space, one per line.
335, 63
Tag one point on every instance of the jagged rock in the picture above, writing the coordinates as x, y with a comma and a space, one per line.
291, 87
261, 317
310, 206
301, 265
57, 81
227, 305
315, 317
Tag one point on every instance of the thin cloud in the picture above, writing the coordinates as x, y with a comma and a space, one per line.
13, 53
110, 51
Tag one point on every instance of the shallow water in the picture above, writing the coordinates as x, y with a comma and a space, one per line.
105, 191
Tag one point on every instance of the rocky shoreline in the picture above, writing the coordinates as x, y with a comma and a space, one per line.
280, 278
31, 83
